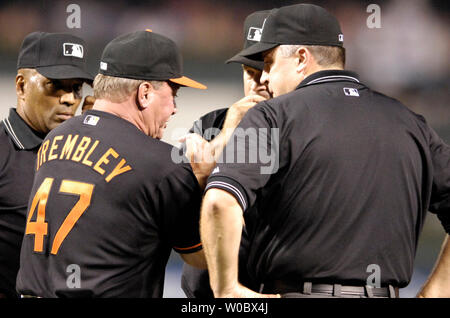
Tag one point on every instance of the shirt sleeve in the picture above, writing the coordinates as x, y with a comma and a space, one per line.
197, 127
440, 196
250, 157
179, 197
209, 125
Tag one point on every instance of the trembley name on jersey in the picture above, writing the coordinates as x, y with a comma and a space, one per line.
80, 149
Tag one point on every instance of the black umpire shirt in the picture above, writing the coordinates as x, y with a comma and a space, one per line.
351, 177
18, 147
107, 206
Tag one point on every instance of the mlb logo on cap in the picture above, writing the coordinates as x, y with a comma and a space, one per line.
55, 55
254, 34
253, 30
73, 49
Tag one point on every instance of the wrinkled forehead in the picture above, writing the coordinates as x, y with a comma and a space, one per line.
247, 68
269, 54
32, 76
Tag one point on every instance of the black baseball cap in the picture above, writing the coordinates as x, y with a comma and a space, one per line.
306, 24
252, 34
55, 55
145, 55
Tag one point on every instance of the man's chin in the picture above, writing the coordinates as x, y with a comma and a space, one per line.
52, 126
266, 95
160, 134
276, 94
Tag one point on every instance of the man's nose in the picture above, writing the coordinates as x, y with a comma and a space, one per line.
175, 109
68, 98
264, 80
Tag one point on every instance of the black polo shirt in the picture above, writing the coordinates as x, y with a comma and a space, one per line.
352, 175
18, 147
109, 203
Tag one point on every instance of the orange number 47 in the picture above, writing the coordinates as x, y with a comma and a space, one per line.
40, 228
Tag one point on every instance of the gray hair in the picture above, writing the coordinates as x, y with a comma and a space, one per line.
118, 89
324, 55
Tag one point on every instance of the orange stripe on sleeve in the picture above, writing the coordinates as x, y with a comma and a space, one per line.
187, 248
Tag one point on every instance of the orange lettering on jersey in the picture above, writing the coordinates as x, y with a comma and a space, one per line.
44, 151
38, 158
119, 169
54, 147
81, 149
68, 147
104, 160
85, 160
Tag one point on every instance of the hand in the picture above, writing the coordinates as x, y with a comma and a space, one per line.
200, 155
240, 291
234, 115
88, 103
237, 111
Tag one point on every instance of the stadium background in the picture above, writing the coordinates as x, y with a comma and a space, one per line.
407, 58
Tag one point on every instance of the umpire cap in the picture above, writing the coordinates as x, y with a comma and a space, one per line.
253, 25
145, 55
55, 55
306, 24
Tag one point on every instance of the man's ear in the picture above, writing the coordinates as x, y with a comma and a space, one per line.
20, 84
303, 58
145, 95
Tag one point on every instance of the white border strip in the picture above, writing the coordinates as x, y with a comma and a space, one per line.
13, 134
230, 187
332, 77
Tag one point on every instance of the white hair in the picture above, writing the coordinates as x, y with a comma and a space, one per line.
118, 89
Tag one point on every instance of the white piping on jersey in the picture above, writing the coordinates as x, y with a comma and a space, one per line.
331, 78
13, 134
229, 187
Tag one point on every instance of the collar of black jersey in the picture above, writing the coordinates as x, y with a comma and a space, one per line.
18, 130
329, 76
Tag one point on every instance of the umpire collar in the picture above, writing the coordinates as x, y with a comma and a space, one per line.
20, 133
329, 76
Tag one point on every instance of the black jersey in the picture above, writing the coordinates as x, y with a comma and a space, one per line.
342, 178
18, 147
108, 203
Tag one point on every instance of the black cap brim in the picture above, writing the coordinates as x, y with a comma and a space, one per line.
255, 51
64, 72
238, 58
